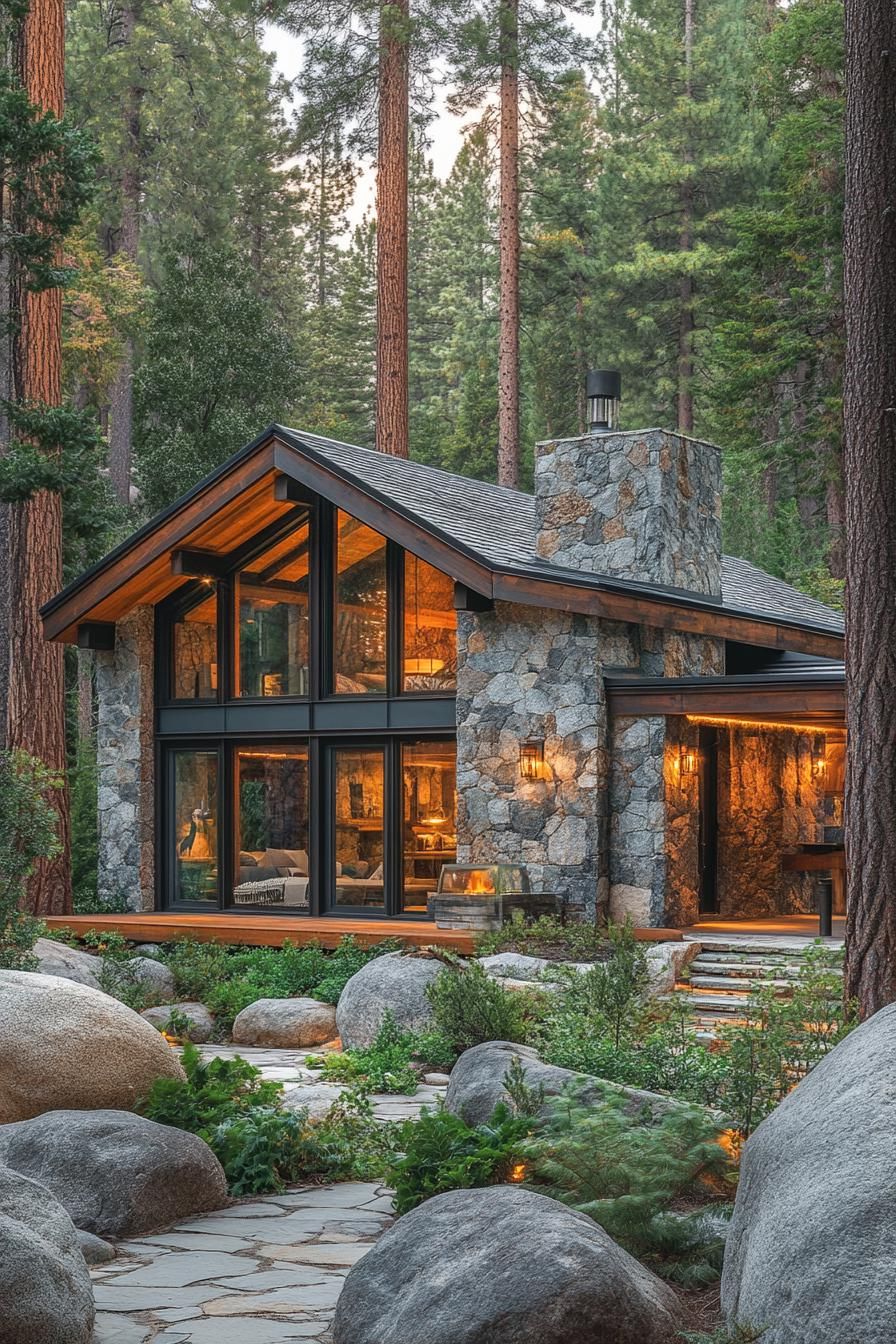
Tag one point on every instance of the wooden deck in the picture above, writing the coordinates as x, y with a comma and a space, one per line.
263, 930
275, 930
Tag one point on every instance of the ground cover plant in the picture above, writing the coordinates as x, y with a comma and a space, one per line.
469, 1007
548, 937
262, 1145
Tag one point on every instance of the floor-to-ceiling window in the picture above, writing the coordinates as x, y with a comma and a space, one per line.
271, 814
305, 724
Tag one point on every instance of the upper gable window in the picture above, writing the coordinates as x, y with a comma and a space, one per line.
273, 618
195, 649
429, 661
360, 616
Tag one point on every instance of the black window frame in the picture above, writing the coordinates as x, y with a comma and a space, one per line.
322, 720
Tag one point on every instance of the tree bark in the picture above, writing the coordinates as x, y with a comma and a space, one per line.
509, 250
685, 394
36, 695
870, 469
121, 394
392, 232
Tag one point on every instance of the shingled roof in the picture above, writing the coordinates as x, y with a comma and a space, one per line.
498, 526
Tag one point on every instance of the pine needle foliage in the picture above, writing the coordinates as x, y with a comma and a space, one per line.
632, 1174
470, 1008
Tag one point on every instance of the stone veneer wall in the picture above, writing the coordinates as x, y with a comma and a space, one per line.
523, 672
645, 505
125, 760
769, 805
654, 812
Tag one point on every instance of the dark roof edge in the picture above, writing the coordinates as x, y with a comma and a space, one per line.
570, 578
152, 523
801, 682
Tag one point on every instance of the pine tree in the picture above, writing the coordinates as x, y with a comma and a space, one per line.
218, 367
680, 150
515, 48
777, 346
561, 293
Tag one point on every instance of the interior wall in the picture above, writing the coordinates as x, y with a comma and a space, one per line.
769, 805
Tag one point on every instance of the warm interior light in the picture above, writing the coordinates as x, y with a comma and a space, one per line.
423, 667
531, 757
819, 765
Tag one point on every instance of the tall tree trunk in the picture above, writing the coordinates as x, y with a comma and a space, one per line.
685, 395
392, 233
36, 698
121, 395
870, 468
509, 247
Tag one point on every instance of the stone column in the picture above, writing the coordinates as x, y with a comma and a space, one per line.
125, 763
523, 672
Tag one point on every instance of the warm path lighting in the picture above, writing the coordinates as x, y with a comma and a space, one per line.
532, 757
517, 1173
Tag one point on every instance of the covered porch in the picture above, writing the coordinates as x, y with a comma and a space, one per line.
750, 782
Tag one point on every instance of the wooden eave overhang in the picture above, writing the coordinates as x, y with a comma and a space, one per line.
226, 508
817, 699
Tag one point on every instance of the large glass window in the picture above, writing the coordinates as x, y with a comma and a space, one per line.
430, 628
195, 649
271, 866
273, 619
195, 826
429, 837
359, 788
359, 642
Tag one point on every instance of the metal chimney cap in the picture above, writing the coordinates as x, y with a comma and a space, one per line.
604, 383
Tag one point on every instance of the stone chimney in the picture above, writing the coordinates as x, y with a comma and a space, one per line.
643, 505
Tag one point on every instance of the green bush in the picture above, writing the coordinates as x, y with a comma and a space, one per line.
227, 980
546, 936
261, 1145
444, 1153
469, 1007
28, 833
384, 1066
631, 1175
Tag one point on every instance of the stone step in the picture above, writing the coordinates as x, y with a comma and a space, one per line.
714, 1001
734, 982
748, 970
761, 958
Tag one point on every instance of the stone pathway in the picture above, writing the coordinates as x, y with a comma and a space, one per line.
258, 1272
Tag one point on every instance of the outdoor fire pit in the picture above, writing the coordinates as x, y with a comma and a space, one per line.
485, 895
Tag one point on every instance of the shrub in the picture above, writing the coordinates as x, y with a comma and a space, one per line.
383, 1066
469, 1007
28, 833
444, 1153
260, 1145
629, 1175
547, 937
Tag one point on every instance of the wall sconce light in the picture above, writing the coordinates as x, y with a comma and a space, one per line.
819, 765
688, 760
532, 757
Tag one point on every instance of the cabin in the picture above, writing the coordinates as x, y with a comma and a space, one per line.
325, 674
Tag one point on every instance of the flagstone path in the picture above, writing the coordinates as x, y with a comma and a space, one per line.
259, 1272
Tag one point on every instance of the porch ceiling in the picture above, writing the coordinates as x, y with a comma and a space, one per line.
816, 700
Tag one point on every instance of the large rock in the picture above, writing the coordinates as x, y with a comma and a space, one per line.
68, 963
155, 977
285, 1023
45, 1292
394, 983
477, 1083
116, 1174
64, 1045
501, 1266
666, 962
809, 1255
201, 1022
